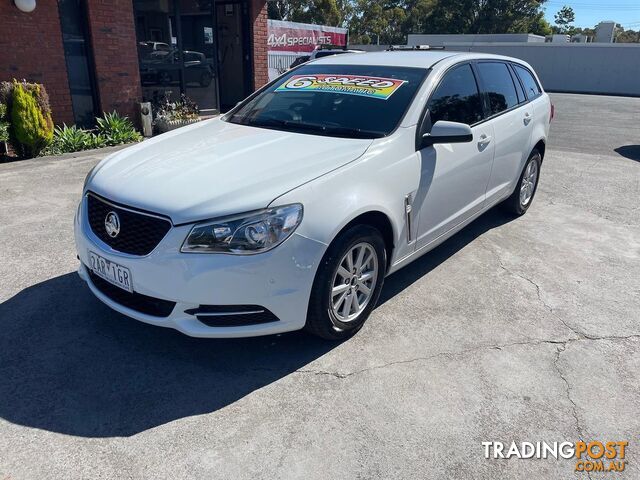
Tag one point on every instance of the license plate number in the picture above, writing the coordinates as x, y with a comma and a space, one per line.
111, 271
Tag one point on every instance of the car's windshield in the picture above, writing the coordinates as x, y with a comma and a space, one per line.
356, 101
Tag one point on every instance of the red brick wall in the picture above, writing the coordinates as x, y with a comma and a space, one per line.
31, 48
113, 38
258, 19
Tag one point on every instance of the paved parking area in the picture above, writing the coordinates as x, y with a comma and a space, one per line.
513, 330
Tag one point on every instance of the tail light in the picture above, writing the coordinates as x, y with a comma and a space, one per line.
553, 112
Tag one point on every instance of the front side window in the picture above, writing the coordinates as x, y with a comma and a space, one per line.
530, 84
457, 98
498, 85
354, 101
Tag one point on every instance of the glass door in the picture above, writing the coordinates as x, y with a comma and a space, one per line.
158, 52
197, 31
199, 48
233, 52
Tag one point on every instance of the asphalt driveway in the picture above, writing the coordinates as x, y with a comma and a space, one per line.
513, 330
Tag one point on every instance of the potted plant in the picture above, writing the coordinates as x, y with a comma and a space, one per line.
170, 115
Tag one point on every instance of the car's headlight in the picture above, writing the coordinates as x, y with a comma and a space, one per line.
249, 233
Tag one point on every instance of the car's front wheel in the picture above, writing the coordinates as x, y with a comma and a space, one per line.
347, 284
522, 197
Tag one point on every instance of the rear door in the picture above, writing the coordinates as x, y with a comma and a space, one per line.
511, 117
540, 103
454, 176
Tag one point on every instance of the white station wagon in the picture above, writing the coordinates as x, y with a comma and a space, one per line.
289, 211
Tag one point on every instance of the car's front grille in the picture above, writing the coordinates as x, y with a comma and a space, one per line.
135, 301
139, 232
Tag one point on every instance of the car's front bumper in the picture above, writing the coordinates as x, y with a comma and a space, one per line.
279, 280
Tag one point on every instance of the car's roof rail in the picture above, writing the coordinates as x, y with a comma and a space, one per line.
329, 46
413, 47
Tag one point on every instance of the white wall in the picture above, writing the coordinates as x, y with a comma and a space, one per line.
612, 69
440, 39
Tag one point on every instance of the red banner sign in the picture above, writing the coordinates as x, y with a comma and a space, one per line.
292, 37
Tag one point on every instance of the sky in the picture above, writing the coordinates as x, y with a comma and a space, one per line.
590, 12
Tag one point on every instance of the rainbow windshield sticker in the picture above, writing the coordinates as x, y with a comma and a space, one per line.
373, 87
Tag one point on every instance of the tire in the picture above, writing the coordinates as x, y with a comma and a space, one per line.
518, 204
323, 318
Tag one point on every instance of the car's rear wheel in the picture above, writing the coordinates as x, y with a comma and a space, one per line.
522, 197
347, 284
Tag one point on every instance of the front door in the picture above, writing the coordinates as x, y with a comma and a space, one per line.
197, 48
198, 43
233, 53
454, 176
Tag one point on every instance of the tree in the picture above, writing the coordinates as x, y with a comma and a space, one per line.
323, 12
378, 22
563, 19
389, 21
540, 26
626, 36
484, 16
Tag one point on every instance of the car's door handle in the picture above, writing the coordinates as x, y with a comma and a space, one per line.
484, 140
527, 118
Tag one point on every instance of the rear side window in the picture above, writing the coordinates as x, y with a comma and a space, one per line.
498, 85
530, 85
457, 98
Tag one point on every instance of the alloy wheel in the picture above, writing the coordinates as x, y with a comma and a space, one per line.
529, 179
354, 282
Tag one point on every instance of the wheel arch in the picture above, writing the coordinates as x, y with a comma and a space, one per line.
541, 146
377, 220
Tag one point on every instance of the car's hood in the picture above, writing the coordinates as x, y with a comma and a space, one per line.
215, 168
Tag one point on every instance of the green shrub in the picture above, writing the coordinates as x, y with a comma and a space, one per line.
4, 131
30, 118
4, 126
73, 139
6, 94
117, 129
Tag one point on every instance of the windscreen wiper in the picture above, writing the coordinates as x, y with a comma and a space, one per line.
320, 128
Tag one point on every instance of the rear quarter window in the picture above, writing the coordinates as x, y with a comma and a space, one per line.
531, 86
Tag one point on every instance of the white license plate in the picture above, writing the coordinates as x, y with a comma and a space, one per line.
111, 271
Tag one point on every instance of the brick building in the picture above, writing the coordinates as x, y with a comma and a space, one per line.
103, 55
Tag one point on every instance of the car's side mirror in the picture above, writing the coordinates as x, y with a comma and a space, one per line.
447, 132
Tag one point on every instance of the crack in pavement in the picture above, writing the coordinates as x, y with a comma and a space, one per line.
561, 344
576, 335
574, 330
574, 406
